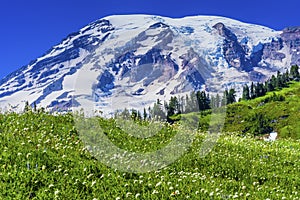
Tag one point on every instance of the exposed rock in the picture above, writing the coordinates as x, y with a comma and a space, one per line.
291, 37
233, 51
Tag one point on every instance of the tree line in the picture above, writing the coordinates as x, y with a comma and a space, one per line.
279, 81
200, 100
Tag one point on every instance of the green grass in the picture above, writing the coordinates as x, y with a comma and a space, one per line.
42, 157
281, 116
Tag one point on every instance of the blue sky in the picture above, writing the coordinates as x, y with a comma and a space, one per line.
30, 27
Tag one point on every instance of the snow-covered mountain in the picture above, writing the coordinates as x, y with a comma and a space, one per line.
132, 60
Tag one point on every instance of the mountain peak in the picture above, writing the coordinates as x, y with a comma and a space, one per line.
137, 56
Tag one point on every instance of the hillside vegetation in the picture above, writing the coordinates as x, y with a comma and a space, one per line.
276, 111
43, 157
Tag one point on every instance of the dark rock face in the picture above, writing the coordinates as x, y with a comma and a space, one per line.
148, 67
196, 68
237, 53
234, 53
271, 49
291, 37
106, 81
101, 25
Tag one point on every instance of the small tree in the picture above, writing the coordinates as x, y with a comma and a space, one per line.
246, 93
259, 124
295, 72
27, 107
231, 96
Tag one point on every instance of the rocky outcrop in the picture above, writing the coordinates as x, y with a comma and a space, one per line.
237, 52
291, 38
271, 50
233, 51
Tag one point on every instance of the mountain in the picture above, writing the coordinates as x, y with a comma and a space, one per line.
132, 60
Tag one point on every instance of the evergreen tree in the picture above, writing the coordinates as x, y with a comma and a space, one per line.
260, 124
125, 114
144, 114
231, 96
34, 107
273, 82
279, 83
285, 78
172, 107
213, 103
252, 92
246, 93
191, 103
218, 100
259, 90
207, 101
268, 86
134, 114
295, 72
224, 98
157, 111
27, 107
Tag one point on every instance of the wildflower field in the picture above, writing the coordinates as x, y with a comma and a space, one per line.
42, 157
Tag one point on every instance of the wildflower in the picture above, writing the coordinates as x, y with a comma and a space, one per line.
128, 194
158, 184
89, 176
175, 193
93, 183
155, 192
56, 192
137, 195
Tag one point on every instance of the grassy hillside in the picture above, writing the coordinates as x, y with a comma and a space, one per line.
42, 157
279, 111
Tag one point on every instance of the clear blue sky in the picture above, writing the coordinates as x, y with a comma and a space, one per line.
30, 27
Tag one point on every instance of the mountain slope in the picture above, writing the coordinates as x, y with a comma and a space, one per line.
132, 60
263, 113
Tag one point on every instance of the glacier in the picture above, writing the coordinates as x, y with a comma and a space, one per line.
132, 60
